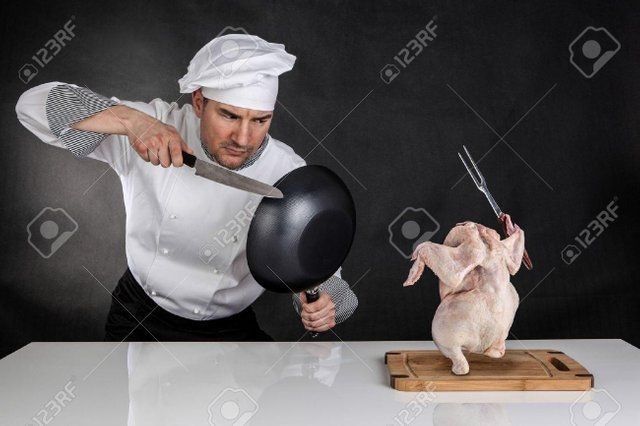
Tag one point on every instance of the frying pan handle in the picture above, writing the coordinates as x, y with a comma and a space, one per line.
188, 159
525, 257
312, 296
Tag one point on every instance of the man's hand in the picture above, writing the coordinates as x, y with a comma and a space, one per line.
156, 142
152, 140
319, 315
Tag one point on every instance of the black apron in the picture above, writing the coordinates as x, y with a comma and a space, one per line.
123, 322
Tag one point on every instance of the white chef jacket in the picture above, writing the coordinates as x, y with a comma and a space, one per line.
185, 235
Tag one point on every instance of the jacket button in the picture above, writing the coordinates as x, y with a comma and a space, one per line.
196, 311
165, 251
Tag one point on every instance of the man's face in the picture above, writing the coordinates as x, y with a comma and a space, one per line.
231, 134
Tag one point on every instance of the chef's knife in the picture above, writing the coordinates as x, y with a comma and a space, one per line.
227, 177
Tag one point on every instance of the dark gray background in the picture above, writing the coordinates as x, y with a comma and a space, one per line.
570, 155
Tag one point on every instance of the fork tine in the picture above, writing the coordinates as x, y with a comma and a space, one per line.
473, 176
474, 165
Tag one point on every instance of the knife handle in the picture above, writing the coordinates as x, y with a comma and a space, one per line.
525, 256
188, 159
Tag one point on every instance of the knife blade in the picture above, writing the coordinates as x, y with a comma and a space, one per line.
230, 178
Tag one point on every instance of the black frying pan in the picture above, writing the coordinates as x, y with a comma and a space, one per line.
297, 242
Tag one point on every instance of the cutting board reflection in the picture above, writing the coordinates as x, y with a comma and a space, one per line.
542, 369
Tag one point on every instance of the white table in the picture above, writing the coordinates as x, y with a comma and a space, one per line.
289, 383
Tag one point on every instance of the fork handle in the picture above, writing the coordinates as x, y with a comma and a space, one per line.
525, 256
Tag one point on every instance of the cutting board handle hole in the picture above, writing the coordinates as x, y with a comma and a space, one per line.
558, 364
555, 352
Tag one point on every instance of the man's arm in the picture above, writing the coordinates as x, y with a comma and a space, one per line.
153, 140
76, 118
48, 110
339, 294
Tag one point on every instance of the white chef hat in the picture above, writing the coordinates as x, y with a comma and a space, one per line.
238, 69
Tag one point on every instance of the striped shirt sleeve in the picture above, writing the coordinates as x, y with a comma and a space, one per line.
67, 104
341, 295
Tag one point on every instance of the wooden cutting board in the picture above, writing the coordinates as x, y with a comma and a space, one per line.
543, 369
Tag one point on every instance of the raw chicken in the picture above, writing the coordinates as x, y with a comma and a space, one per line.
478, 302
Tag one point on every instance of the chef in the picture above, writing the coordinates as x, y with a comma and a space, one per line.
187, 275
